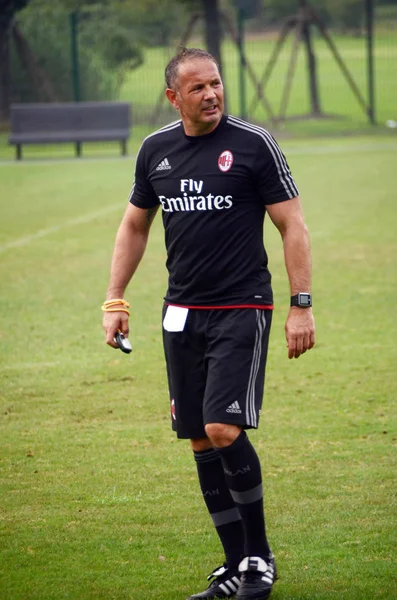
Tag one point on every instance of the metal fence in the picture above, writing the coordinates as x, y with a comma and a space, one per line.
299, 77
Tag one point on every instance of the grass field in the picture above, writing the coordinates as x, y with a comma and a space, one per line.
97, 498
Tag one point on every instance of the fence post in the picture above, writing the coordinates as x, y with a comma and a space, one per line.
369, 17
75, 56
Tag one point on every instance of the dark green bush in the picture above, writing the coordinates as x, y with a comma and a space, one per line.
104, 53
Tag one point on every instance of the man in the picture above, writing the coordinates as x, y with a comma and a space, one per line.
214, 177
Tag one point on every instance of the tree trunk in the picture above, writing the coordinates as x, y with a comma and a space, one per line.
42, 84
5, 73
213, 31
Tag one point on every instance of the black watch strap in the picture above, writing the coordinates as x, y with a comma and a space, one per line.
304, 300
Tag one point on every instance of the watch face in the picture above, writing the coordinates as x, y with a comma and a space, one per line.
304, 300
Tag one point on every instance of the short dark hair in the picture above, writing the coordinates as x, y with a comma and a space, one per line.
184, 54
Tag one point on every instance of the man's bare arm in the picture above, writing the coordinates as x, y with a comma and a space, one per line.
130, 245
289, 220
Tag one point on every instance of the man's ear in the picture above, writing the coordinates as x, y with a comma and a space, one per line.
172, 97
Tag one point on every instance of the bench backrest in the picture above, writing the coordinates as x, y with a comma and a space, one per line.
69, 116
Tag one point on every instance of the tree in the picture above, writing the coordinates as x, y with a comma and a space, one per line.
212, 24
213, 31
8, 9
154, 23
107, 50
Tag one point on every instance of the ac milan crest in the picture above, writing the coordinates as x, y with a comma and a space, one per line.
225, 161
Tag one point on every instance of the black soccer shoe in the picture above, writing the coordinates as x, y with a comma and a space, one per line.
224, 584
257, 578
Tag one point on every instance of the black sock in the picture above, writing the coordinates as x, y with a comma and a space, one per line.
243, 476
221, 505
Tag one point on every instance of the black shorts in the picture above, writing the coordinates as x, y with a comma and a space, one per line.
216, 368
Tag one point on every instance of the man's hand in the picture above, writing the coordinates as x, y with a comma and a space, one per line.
114, 322
299, 331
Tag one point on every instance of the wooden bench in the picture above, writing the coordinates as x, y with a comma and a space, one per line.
74, 122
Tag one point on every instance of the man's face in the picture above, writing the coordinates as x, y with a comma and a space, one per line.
198, 95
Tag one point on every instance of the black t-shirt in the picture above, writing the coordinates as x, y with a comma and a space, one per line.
213, 190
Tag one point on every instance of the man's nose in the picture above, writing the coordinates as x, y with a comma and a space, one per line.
209, 92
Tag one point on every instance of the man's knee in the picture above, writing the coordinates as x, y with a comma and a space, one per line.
222, 435
201, 444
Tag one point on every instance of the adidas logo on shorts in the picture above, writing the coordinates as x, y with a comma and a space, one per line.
164, 165
234, 408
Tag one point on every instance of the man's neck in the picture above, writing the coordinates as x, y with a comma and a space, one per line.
203, 129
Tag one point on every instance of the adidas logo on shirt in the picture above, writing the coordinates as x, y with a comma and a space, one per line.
234, 408
164, 165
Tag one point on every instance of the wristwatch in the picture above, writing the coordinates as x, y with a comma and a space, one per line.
304, 300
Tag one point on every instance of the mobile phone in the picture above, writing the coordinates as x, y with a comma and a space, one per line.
123, 343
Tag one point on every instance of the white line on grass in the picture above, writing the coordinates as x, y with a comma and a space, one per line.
29, 365
25, 241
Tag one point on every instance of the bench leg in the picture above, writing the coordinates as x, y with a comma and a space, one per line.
78, 149
124, 147
18, 152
